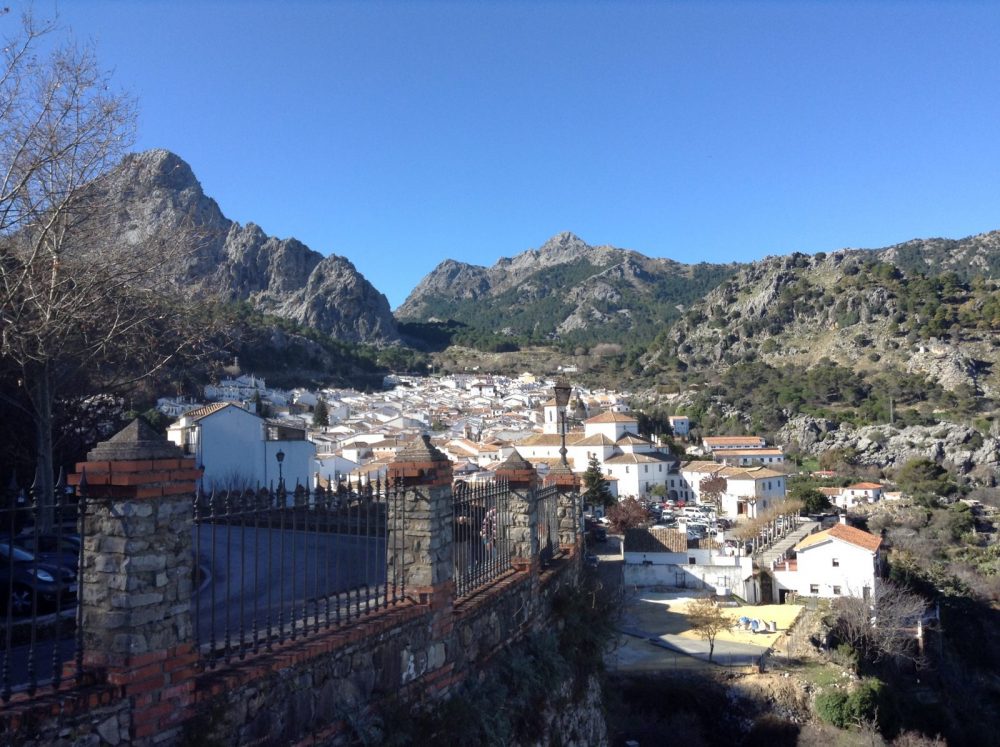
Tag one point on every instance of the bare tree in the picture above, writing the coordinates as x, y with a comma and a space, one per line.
78, 307
711, 489
626, 514
707, 620
884, 626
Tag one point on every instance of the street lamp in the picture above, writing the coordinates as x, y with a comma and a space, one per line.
280, 456
562, 390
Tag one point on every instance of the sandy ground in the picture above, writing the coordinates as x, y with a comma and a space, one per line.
782, 614
662, 614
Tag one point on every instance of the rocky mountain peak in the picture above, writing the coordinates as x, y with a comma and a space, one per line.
156, 193
562, 241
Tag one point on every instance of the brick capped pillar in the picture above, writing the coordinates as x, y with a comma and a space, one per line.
138, 573
522, 480
568, 511
420, 524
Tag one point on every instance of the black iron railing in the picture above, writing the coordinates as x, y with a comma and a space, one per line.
548, 523
481, 535
40, 556
276, 565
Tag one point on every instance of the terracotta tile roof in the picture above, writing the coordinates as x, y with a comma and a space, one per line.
655, 540
631, 438
638, 459
750, 473
747, 452
598, 439
732, 440
865, 486
202, 412
703, 467
540, 439
844, 533
611, 417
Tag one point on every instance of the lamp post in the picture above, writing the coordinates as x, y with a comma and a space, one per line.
562, 390
280, 456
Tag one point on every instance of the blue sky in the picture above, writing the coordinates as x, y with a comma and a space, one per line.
402, 134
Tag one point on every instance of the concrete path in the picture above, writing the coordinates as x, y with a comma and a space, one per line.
727, 653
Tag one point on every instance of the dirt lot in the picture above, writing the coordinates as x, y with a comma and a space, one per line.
665, 613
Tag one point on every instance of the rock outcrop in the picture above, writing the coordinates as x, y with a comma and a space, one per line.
156, 194
957, 447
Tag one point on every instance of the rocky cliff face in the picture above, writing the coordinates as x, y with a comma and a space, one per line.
156, 193
853, 307
958, 447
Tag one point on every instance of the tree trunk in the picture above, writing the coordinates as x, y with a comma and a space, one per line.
40, 391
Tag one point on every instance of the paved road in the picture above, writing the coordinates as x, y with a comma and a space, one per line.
254, 574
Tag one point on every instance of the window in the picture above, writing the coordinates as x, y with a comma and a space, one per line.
836, 590
671, 482
691, 561
814, 588
645, 468
836, 562
626, 470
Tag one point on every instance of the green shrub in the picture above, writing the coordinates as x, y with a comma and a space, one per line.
831, 706
849, 709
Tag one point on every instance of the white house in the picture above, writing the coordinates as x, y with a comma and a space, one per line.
749, 490
174, 407
239, 449
665, 557
839, 561
770, 457
611, 424
859, 492
710, 443
637, 474
680, 424
330, 467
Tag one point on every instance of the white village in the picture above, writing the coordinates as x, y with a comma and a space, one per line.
716, 513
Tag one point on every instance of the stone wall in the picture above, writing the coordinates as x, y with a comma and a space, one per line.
146, 683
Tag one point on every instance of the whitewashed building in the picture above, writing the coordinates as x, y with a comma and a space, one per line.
239, 450
665, 557
839, 561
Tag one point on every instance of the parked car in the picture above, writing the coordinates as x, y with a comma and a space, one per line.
27, 576
599, 534
697, 531
62, 549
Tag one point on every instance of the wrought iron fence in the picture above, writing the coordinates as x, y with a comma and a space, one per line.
481, 534
41, 553
548, 523
276, 565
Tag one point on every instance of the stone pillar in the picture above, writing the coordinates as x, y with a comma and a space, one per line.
568, 511
420, 524
522, 480
136, 580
